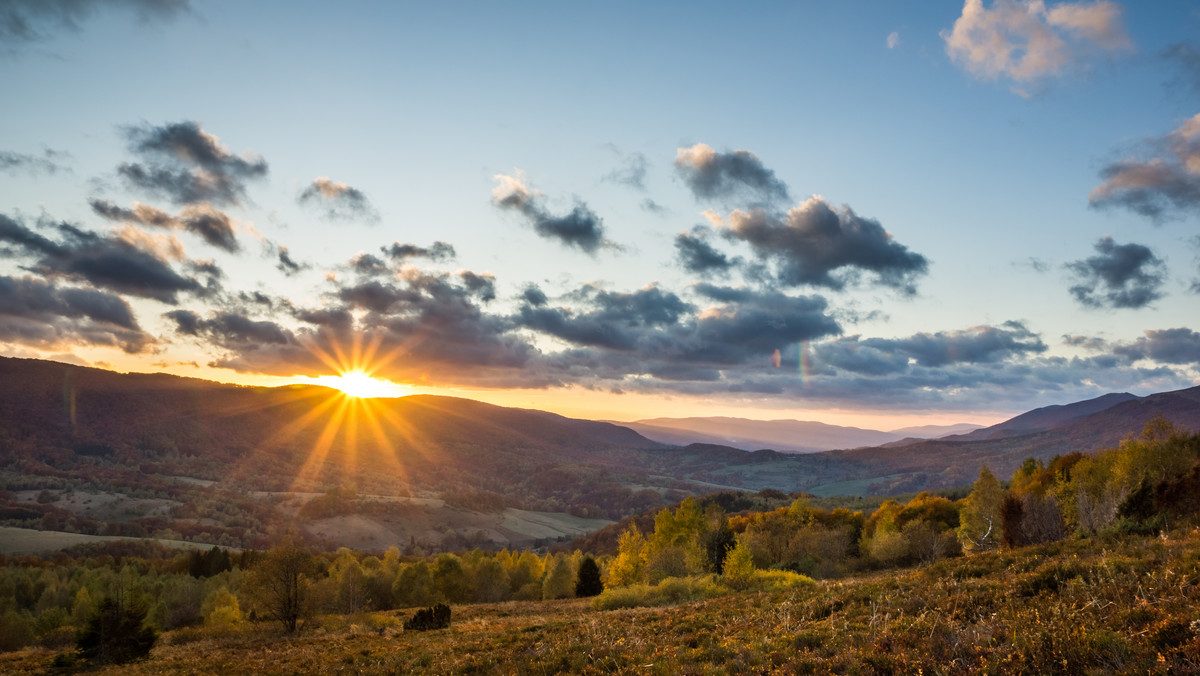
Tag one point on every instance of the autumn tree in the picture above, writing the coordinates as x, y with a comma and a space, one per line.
979, 521
281, 584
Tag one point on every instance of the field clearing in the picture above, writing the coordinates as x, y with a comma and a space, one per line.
104, 506
22, 541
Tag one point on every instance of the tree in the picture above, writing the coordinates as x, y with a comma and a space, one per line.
589, 582
559, 582
627, 569
739, 566
979, 522
282, 586
116, 633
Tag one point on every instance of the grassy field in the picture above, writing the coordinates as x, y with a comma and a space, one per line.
1127, 604
19, 541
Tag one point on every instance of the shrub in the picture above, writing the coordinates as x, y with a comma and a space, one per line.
433, 617
671, 591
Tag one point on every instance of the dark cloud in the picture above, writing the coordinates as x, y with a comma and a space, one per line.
26, 21
439, 251
37, 313
976, 345
423, 327
368, 264
103, 261
1186, 58
49, 162
1163, 184
632, 171
1121, 276
696, 254
614, 320
204, 220
1167, 346
338, 201
819, 246
283, 259
188, 165
740, 173
580, 228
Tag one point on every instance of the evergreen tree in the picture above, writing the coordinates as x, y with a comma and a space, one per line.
116, 633
589, 582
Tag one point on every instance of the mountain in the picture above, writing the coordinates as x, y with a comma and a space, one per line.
95, 452
788, 436
1050, 417
935, 431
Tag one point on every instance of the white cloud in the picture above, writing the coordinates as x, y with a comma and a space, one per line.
893, 40
1024, 41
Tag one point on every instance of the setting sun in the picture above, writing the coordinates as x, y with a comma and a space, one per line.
360, 385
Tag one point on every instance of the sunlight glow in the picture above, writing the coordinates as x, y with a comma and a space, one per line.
360, 385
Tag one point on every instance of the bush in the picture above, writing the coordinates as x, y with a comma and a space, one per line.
116, 634
671, 591
433, 617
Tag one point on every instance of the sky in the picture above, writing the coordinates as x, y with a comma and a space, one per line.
869, 213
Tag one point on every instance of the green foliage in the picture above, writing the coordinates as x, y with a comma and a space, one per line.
559, 582
671, 591
116, 633
628, 569
739, 567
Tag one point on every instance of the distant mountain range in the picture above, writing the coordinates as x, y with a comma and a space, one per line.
785, 436
179, 440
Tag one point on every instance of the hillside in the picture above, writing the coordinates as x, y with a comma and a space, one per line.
182, 458
787, 436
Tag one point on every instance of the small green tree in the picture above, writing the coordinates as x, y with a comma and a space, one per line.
559, 582
739, 566
589, 582
627, 568
116, 633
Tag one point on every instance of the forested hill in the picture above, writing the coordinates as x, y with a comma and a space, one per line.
57, 419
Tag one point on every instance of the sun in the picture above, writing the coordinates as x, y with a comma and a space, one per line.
359, 385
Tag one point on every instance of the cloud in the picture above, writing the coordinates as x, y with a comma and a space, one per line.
696, 254
1027, 42
739, 173
107, 262
1186, 59
49, 162
975, 345
1167, 346
26, 21
188, 165
214, 226
651, 206
893, 40
285, 263
439, 251
819, 246
36, 313
581, 228
631, 172
1121, 276
1158, 187
338, 201
421, 327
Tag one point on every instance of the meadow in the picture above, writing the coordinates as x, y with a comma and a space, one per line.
1106, 604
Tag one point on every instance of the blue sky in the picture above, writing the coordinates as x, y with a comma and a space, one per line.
934, 211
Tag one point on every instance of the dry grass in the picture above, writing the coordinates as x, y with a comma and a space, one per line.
1116, 605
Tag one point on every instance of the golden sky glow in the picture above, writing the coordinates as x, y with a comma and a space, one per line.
359, 384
